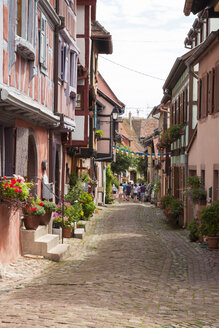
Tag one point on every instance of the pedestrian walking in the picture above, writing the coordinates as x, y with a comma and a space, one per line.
124, 190
142, 191
128, 191
120, 192
135, 192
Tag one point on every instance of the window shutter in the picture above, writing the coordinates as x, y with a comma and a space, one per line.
21, 151
210, 91
43, 40
204, 99
185, 105
199, 99
216, 88
181, 107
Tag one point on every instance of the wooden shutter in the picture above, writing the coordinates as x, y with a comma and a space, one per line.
210, 91
43, 40
204, 99
9, 151
216, 88
181, 108
21, 151
185, 105
199, 99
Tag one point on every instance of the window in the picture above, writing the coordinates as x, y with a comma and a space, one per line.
43, 41
203, 178
7, 151
73, 69
63, 52
24, 19
78, 102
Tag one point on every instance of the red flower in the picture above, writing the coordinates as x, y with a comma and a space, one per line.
16, 189
20, 191
19, 180
20, 187
34, 209
6, 185
41, 204
4, 177
83, 201
13, 181
29, 210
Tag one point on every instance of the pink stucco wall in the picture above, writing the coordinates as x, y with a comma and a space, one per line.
10, 246
205, 150
204, 153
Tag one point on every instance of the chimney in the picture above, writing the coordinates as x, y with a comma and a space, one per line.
130, 119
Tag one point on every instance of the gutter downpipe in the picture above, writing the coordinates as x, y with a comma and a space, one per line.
185, 197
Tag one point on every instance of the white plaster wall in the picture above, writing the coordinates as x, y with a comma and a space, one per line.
80, 19
214, 25
81, 46
78, 134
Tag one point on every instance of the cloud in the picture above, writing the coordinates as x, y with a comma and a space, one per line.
147, 37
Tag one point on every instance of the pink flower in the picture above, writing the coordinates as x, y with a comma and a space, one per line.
20, 191
37, 184
19, 180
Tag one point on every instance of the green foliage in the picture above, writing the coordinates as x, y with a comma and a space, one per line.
34, 210
47, 205
175, 208
15, 188
157, 187
110, 180
169, 136
109, 199
194, 228
210, 219
88, 205
194, 189
140, 165
73, 180
99, 133
123, 162
165, 201
74, 192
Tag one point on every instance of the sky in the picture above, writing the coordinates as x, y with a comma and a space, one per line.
148, 36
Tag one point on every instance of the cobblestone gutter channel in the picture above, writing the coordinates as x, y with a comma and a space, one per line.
131, 270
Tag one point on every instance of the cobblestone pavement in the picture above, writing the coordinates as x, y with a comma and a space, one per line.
131, 270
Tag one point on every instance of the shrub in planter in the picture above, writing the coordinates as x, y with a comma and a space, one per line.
109, 199
88, 205
210, 219
32, 214
165, 201
47, 205
194, 228
175, 209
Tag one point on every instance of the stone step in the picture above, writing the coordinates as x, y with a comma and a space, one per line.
79, 233
46, 242
32, 235
58, 253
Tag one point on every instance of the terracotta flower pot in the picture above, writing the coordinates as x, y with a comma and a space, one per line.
213, 242
31, 222
67, 232
44, 219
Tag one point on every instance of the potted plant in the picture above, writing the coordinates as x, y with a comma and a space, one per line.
194, 228
49, 207
210, 224
99, 134
174, 209
31, 216
68, 227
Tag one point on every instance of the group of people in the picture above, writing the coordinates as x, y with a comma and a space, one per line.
126, 191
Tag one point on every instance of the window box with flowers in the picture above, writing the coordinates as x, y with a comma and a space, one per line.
32, 216
169, 136
15, 191
195, 191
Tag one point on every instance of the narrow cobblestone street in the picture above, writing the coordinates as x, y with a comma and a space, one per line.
131, 270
